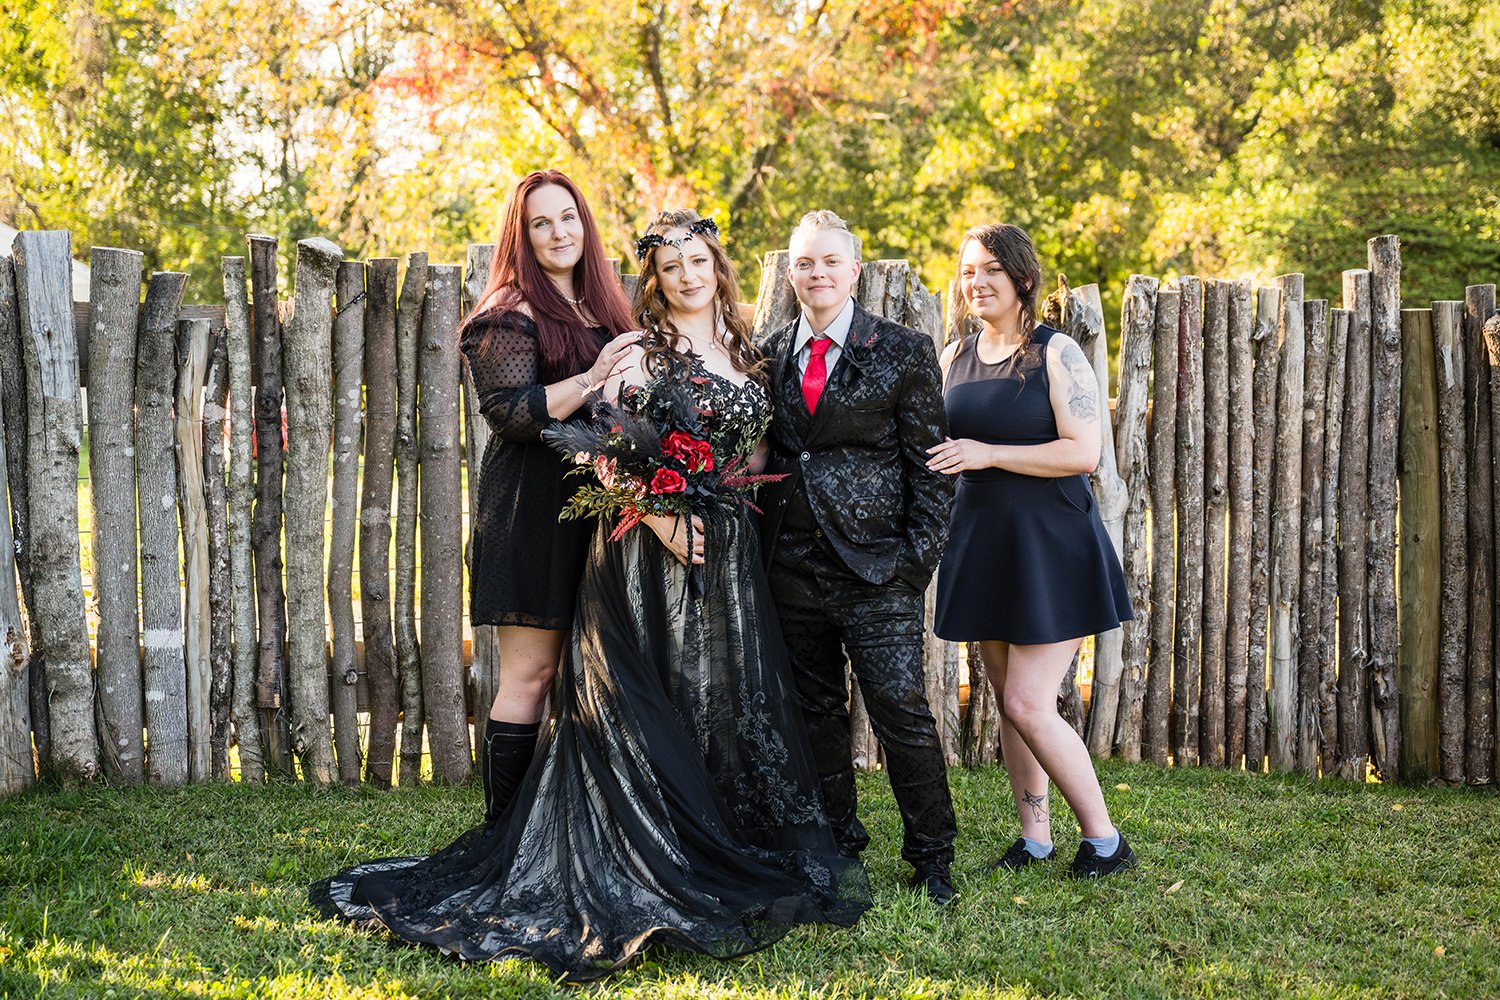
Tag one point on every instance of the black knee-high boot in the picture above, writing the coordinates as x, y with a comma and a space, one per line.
508, 749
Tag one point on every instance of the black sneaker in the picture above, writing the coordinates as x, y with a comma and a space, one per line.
934, 879
1088, 864
1016, 857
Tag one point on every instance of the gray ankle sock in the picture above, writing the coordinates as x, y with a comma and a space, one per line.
1105, 847
1037, 848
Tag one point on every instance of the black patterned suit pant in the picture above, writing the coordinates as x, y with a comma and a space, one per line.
826, 610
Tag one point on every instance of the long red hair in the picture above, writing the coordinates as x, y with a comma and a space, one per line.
567, 347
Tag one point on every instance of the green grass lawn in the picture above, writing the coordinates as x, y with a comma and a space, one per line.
1249, 886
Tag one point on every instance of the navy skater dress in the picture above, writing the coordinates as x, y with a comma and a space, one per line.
1028, 560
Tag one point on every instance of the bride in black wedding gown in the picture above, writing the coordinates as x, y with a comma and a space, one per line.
676, 801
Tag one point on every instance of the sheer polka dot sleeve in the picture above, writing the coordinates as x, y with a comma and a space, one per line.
505, 362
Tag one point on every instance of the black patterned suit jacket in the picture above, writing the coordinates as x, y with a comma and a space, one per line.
862, 457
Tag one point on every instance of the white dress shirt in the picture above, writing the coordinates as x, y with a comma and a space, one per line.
838, 332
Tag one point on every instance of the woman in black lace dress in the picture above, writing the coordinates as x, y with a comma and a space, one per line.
549, 328
676, 801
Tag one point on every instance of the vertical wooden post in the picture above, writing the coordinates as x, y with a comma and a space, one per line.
220, 613
442, 535
375, 517
1421, 556
1241, 521
1479, 305
161, 573
308, 380
115, 290
408, 654
192, 372
1262, 490
17, 767
1309, 590
348, 383
1354, 534
484, 661
241, 495
1286, 526
1137, 316
1216, 350
1453, 537
271, 680
775, 302
1491, 332
1187, 650
979, 736
1385, 407
1328, 591
1163, 459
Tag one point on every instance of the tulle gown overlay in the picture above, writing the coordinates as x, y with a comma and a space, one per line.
676, 801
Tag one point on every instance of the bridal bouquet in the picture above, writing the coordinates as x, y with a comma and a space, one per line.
655, 457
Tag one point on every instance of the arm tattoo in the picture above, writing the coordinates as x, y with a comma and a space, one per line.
1038, 804
1084, 387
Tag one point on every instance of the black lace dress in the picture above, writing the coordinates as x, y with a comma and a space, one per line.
676, 801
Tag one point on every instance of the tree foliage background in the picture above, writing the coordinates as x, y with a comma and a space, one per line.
1161, 136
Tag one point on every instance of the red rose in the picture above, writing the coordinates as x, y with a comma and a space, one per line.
668, 481
698, 454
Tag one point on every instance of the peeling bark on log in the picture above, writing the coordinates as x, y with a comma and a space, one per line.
1137, 317
408, 654
17, 764
1385, 403
375, 518
1163, 459
271, 677
1241, 453
1310, 588
1421, 557
115, 290
1328, 710
1453, 531
1187, 648
1262, 488
484, 663
161, 572
192, 372
348, 377
775, 303
1479, 767
240, 497
220, 611
979, 736
442, 535
308, 380
1354, 533
1216, 350
1286, 526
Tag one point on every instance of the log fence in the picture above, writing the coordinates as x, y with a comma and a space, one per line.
1265, 456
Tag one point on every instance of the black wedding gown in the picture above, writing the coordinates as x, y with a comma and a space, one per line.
676, 801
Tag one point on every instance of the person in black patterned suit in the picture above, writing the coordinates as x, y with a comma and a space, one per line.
852, 535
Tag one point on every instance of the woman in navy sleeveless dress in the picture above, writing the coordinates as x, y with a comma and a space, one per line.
1028, 570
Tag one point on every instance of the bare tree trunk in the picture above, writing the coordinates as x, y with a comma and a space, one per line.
1163, 459
1453, 480
14, 408
1241, 521
1310, 593
979, 736
161, 573
17, 765
1187, 651
1479, 767
1262, 488
271, 680
408, 655
1137, 316
775, 303
348, 379
1354, 533
308, 379
192, 371
115, 291
1385, 404
1328, 709
442, 536
484, 660
1421, 551
44, 290
1286, 526
1216, 350
1491, 331
375, 517
220, 611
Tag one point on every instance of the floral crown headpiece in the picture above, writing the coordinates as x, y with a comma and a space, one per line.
651, 241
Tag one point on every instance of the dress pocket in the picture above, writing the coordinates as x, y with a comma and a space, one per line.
1075, 491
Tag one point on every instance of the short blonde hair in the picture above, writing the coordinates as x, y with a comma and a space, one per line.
822, 219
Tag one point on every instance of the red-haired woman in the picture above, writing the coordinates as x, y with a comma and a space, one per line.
551, 325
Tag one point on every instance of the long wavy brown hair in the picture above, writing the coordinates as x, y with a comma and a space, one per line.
649, 310
567, 346
1013, 250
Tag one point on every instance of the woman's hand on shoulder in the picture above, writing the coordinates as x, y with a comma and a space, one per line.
627, 358
957, 455
1075, 399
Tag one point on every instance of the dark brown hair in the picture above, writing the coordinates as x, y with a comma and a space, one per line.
567, 347
650, 312
1016, 255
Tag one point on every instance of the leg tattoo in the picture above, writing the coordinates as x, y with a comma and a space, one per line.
1038, 804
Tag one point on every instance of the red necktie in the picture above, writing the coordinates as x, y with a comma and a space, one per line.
816, 376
